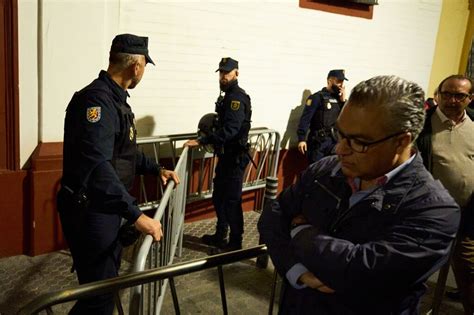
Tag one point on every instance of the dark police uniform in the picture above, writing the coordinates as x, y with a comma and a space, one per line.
320, 115
375, 254
230, 144
100, 163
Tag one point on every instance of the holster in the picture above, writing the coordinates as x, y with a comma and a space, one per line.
128, 235
71, 201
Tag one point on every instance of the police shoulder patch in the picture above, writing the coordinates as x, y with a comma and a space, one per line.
93, 114
308, 102
235, 105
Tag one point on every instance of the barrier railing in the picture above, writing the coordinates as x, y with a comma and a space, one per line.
47, 300
264, 151
170, 208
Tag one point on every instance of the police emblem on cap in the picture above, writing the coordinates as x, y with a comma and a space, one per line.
93, 114
328, 105
235, 105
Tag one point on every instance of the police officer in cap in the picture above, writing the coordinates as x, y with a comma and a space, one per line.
99, 166
319, 115
229, 139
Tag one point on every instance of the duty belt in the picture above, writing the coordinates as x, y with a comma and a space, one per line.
325, 132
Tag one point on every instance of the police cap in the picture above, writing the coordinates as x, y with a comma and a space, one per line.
228, 64
338, 74
131, 44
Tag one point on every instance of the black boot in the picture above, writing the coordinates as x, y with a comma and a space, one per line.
218, 239
235, 243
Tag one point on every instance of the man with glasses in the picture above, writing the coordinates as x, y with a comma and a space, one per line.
319, 116
447, 147
360, 232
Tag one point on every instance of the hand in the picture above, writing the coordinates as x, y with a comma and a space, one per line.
302, 147
165, 175
299, 219
311, 281
342, 94
192, 143
149, 226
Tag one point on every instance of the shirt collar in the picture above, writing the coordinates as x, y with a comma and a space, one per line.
382, 180
444, 119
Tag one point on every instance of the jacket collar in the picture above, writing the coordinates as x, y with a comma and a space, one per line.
388, 197
117, 90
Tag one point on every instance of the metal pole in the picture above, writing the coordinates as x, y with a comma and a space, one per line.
222, 287
271, 189
272, 295
174, 295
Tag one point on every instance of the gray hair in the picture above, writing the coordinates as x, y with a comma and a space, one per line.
121, 61
401, 100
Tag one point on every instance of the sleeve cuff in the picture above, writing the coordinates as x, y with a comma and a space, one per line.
298, 229
202, 140
134, 213
294, 274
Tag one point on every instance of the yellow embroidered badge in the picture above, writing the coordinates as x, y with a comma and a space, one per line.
93, 114
308, 102
235, 105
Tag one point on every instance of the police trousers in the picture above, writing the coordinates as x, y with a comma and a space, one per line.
227, 194
319, 147
95, 250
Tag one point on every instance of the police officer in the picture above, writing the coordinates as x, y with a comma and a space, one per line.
229, 140
319, 115
100, 162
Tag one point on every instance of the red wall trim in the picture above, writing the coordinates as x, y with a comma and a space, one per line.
13, 213
340, 7
45, 234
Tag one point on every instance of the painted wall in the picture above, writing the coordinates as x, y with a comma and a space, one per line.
449, 41
284, 52
28, 77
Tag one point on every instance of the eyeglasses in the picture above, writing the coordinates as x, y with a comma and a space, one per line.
459, 97
360, 146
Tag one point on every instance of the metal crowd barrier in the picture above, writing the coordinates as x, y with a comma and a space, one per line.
170, 207
45, 301
264, 152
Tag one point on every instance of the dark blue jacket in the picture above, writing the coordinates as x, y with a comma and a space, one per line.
376, 255
234, 116
100, 150
320, 113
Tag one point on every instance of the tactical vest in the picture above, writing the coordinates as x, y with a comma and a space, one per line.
125, 148
241, 139
326, 115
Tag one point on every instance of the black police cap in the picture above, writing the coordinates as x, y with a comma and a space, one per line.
338, 74
228, 64
131, 44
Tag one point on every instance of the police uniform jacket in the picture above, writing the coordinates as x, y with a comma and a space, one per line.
100, 150
376, 255
319, 114
234, 116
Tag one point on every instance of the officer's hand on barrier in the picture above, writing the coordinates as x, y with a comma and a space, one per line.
165, 175
311, 281
192, 143
149, 226
302, 147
